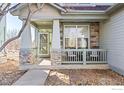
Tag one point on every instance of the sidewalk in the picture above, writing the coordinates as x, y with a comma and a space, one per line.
33, 77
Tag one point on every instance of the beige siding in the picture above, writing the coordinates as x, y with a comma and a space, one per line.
112, 39
47, 11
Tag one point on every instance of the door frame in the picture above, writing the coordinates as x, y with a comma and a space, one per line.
43, 55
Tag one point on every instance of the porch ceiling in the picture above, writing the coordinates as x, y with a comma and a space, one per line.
40, 24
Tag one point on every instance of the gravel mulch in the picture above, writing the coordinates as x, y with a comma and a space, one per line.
84, 77
9, 77
9, 72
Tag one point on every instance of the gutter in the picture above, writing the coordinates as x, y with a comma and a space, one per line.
60, 8
83, 12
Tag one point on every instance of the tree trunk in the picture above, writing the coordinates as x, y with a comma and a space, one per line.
19, 34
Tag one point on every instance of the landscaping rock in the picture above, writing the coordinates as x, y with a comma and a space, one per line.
84, 77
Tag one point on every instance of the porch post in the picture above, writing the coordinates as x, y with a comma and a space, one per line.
26, 45
56, 47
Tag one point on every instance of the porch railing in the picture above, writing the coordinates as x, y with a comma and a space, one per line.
84, 56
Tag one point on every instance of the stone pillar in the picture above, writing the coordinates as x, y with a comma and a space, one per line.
56, 46
26, 45
94, 35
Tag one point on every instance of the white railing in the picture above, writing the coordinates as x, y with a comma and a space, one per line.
84, 56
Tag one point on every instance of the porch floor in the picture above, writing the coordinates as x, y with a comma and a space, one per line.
45, 64
48, 67
84, 77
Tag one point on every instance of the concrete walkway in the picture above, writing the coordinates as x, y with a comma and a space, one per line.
33, 77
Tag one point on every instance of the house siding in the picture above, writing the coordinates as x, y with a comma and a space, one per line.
112, 39
2, 30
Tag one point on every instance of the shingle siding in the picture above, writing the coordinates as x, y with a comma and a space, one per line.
112, 39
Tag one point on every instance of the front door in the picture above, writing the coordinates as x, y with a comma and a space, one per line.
43, 44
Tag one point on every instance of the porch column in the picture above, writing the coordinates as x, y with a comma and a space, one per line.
56, 47
26, 45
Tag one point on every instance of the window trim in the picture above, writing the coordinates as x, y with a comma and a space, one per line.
76, 37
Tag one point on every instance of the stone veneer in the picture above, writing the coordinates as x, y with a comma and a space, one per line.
56, 57
26, 56
94, 35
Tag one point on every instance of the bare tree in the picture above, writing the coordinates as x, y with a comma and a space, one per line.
5, 10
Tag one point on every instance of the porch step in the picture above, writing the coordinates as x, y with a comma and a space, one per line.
33, 77
48, 67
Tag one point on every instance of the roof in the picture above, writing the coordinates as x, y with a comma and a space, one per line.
97, 7
75, 8
21, 5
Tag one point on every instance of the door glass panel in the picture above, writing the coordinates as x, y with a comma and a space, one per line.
43, 38
43, 44
43, 49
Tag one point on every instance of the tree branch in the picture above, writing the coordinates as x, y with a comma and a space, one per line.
22, 29
7, 6
1, 5
19, 34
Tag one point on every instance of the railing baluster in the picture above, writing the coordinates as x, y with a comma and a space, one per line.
81, 58
84, 55
68, 55
105, 56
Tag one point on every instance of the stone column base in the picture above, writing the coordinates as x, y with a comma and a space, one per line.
56, 57
26, 56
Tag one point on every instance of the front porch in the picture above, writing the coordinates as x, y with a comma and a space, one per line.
68, 43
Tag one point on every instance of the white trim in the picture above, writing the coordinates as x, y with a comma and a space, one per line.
17, 8
83, 12
76, 39
60, 8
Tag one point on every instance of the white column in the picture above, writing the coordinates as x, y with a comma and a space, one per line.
26, 45
26, 41
56, 46
56, 35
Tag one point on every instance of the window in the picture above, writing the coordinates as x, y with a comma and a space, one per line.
82, 43
70, 43
76, 36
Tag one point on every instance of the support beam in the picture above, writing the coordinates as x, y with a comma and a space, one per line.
26, 37
26, 46
56, 35
56, 46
